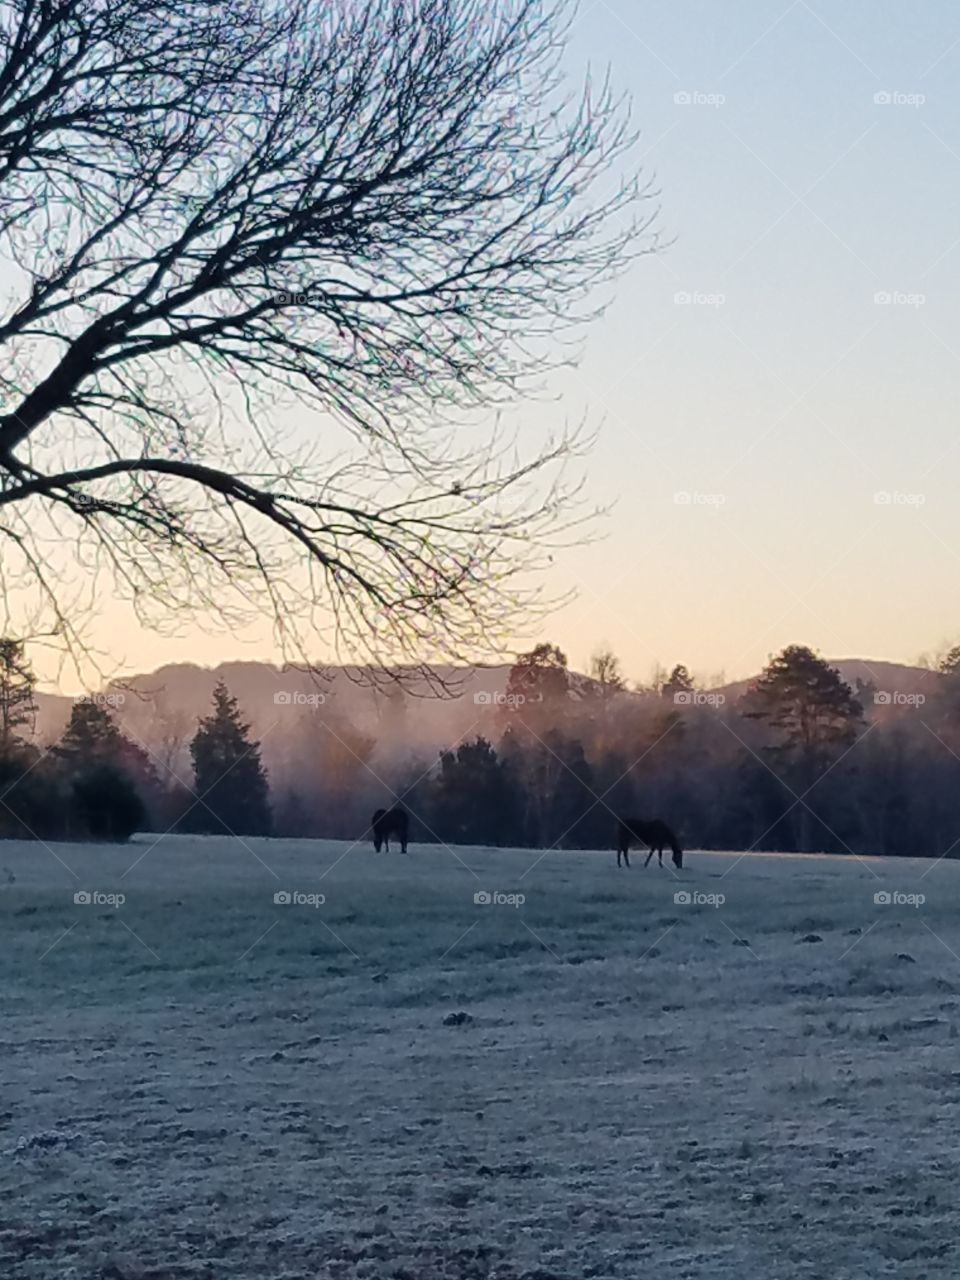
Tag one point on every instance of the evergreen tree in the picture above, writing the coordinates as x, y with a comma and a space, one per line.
91, 734
812, 715
229, 777
20, 811
18, 706
472, 799
574, 810
112, 781
107, 803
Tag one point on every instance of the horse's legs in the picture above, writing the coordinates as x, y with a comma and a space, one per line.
660, 856
649, 856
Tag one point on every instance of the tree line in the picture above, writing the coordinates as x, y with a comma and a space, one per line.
801, 761
97, 783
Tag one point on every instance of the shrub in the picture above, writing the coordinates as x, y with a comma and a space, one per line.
107, 804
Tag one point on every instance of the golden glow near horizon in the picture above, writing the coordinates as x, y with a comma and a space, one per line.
776, 390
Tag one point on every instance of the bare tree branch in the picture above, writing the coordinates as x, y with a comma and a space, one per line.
225, 220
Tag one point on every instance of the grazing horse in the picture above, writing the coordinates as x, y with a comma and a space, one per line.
656, 834
387, 823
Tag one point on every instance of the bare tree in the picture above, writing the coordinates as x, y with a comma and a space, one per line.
606, 671
266, 261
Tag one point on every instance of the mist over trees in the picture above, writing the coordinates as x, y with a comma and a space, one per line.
796, 760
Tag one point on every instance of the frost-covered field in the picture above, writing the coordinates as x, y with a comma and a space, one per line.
201, 1082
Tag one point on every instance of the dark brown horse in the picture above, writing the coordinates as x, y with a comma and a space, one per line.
656, 834
390, 822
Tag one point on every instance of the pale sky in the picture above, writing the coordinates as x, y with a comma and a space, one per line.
808, 157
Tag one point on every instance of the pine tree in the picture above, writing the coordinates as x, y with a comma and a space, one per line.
19, 812
229, 777
113, 783
574, 805
91, 734
18, 706
472, 799
812, 714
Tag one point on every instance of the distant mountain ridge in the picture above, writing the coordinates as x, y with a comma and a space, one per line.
268, 693
886, 677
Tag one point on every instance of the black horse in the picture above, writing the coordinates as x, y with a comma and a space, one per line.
387, 823
656, 834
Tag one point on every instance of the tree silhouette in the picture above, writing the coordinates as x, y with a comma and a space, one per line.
538, 687
811, 713
18, 707
230, 783
607, 675
473, 798
678, 681
112, 780
376, 216
946, 702
91, 733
